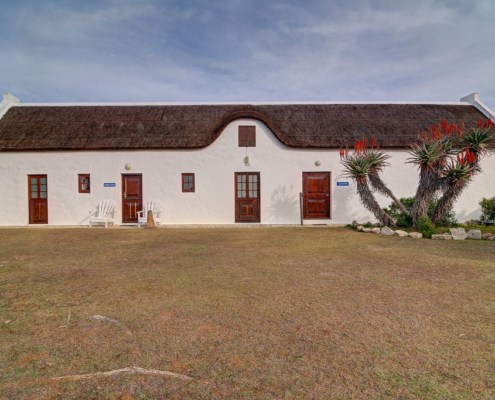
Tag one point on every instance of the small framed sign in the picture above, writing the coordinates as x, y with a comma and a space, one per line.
342, 183
109, 185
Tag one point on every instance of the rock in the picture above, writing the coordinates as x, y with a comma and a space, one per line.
387, 231
441, 237
360, 227
377, 225
401, 233
416, 235
369, 223
458, 233
366, 230
376, 230
487, 235
474, 234
354, 223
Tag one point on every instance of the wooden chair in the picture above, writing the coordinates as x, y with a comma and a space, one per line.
105, 212
153, 206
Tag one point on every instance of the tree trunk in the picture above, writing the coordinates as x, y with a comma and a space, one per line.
371, 204
150, 222
447, 201
427, 187
381, 187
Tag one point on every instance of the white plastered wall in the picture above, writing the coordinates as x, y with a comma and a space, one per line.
213, 201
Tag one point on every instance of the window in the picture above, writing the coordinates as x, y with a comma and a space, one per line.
247, 136
188, 182
83, 181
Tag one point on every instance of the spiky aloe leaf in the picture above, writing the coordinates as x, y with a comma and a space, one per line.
356, 167
431, 154
479, 141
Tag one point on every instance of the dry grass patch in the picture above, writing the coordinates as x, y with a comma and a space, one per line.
247, 313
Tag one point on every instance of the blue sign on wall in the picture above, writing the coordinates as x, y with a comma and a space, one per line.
109, 185
342, 183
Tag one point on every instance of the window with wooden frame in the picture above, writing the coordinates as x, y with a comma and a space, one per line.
247, 136
188, 182
83, 183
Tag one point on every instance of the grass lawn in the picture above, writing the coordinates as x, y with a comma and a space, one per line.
247, 313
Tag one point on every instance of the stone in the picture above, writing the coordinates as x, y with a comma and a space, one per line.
458, 233
474, 234
366, 230
401, 233
487, 235
354, 223
416, 235
369, 223
376, 230
377, 225
387, 231
360, 227
441, 237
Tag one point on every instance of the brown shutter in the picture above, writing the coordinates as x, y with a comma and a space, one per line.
247, 136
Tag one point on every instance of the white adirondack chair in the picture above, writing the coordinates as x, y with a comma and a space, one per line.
105, 212
155, 207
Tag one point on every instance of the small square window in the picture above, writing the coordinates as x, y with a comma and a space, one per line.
83, 183
247, 136
188, 182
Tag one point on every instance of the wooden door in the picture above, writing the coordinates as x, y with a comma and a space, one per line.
132, 197
316, 191
38, 199
247, 197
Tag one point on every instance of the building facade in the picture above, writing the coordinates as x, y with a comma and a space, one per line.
210, 163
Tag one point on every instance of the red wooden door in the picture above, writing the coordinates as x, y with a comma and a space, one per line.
132, 197
38, 199
316, 190
247, 197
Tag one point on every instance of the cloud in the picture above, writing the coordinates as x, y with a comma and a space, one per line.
257, 50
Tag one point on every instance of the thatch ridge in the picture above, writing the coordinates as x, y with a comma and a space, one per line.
88, 127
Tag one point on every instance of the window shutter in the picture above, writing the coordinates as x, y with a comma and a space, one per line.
247, 136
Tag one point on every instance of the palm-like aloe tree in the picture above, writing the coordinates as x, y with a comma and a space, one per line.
431, 157
377, 160
474, 145
455, 178
357, 167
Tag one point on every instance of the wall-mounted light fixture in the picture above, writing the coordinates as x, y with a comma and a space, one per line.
318, 163
128, 166
246, 160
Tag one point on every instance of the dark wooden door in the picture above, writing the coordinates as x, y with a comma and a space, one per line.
132, 197
316, 191
38, 199
247, 197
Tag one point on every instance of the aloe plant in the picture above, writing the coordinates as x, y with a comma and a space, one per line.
378, 160
357, 167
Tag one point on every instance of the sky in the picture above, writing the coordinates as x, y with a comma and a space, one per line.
247, 50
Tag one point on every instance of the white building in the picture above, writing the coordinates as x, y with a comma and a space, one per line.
219, 163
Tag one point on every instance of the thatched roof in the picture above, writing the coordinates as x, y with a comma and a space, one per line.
89, 127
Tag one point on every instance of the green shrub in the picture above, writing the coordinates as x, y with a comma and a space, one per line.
405, 221
426, 227
487, 210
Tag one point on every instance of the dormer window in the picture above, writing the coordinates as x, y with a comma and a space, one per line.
247, 136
